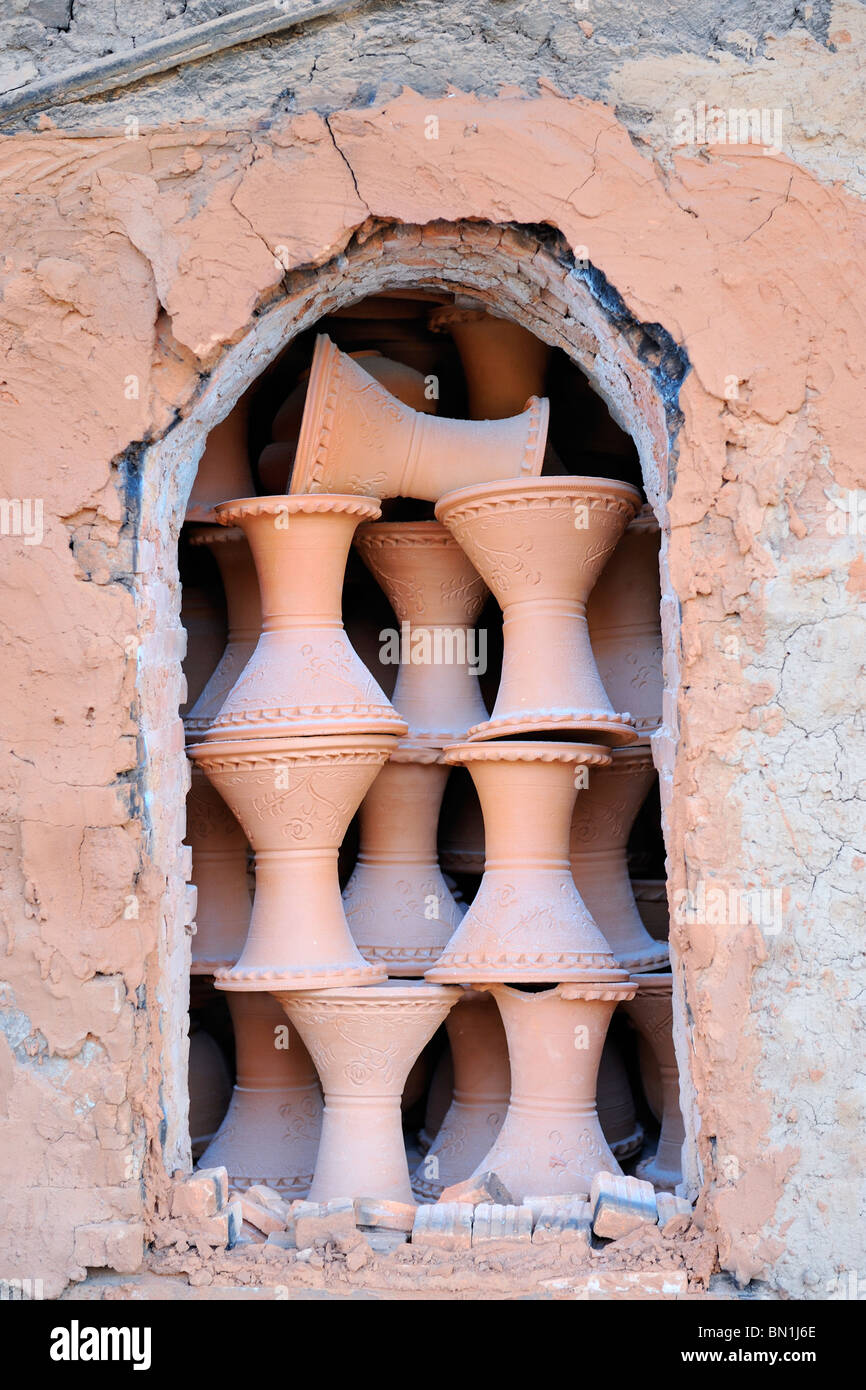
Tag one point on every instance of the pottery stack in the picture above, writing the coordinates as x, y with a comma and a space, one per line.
292, 735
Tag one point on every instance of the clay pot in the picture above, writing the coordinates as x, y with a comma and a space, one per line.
624, 619
205, 626
224, 468
437, 597
604, 813
527, 921
210, 1088
303, 677
219, 872
615, 1104
358, 438
461, 826
407, 385
271, 1131
651, 898
551, 1142
363, 1042
438, 1099
399, 908
237, 570
540, 544
651, 1011
503, 363
294, 798
482, 1083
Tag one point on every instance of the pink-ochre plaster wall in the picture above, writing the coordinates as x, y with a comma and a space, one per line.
130, 272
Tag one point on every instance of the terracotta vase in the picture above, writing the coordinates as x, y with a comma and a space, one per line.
205, 624
303, 677
363, 1042
358, 438
624, 616
210, 1088
271, 1131
551, 1142
615, 1104
482, 1083
527, 921
604, 813
294, 798
224, 468
406, 384
461, 826
233, 556
503, 363
219, 872
651, 1010
651, 897
439, 1098
399, 908
540, 544
437, 597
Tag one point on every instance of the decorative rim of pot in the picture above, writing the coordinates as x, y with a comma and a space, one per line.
609, 493
614, 729
644, 962
277, 504
215, 534
645, 521
582, 970
598, 990
395, 992
209, 965
298, 748
420, 753
530, 751
388, 534
654, 982
319, 977
632, 756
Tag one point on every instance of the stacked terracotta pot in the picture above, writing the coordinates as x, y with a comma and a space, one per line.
292, 734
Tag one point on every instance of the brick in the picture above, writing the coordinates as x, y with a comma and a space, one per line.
259, 1216
444, 1226
268, 1197
319, 1222
389, 1216
621, 1205
117, 1245
202, 1194
562, 1221
486, 1187
493, 1222
283, 1239
671, 1207
223, 1229
358, 1257
382, 1240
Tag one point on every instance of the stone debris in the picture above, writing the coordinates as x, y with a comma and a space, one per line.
495, 1222
485, 1187
382, 1240
283, 1239
317, 1222
200, 1194
621, 1205
562, 1221
268, 1197
387, 1215
670, 1208
444, 1226
263, 1218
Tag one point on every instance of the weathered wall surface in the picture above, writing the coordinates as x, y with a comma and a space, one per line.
131, 267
